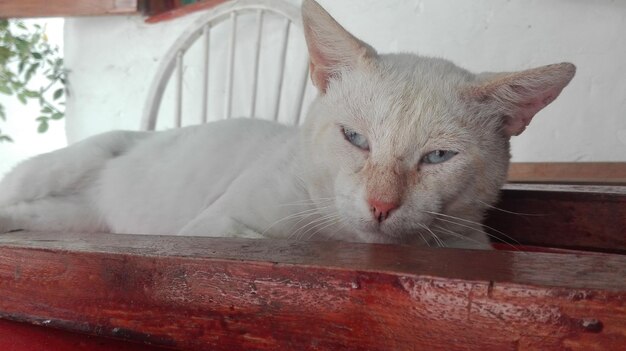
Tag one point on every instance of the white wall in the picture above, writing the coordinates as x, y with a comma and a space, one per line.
21, 124
113, 60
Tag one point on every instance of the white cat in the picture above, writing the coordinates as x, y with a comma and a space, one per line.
396, 148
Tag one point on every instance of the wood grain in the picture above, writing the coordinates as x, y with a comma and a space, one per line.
66, 8
569, 172
225, 294
564, 216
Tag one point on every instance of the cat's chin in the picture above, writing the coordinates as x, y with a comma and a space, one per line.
375, 232
376, 238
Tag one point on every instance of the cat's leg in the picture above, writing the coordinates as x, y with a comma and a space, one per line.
67, 170
59, 213
213, 223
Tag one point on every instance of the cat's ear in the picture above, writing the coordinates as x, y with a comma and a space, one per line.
331, 47
522, 94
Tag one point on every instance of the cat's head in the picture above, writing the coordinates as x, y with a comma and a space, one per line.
402, 141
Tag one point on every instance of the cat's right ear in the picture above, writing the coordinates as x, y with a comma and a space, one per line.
332, 49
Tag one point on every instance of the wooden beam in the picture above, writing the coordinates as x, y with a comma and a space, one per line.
565, 216
66, 8
197, 293
159, 11
569, 172
28, 337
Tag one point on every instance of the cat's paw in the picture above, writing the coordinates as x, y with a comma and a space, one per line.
213, 225
4, 225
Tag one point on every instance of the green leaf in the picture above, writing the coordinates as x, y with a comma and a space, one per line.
57, 116
37, 55
17, 85
43, 127
41, 119
46, 109
31, 94
57, 94
5, 53
6, 90
22, 46
31, 70
35, 39
22, 98
5, 138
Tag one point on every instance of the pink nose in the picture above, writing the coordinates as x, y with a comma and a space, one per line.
382, 209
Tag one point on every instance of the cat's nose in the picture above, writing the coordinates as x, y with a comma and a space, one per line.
382, 209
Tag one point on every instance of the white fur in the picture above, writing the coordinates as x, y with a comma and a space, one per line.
257, 179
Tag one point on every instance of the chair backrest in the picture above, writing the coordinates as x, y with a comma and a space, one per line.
234, 17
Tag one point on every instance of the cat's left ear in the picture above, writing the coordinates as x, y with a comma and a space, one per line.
332, 49
522, 94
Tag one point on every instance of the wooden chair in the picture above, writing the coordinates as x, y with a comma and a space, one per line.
172, 68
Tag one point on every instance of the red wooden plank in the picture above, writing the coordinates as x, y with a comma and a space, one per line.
64, 8
27, 337
571, 172
565, 216
226, 294
160, 12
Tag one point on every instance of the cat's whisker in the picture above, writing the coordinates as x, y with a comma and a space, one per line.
304, 213
334, 221
443, 230
318, 226
293, 231
311, 201
299, 234
480, 231
423, 238
438, 240
510, 212
477, 224
342, 225
304, 218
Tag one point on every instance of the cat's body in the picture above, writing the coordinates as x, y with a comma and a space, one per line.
395, 149
125, 182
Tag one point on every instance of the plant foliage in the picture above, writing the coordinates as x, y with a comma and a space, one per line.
25, 53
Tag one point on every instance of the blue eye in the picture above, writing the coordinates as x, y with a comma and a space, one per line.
355, 138
438, 156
